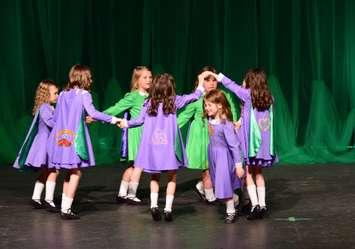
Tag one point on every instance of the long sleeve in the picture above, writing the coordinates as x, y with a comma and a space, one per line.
183, 100
91, 111
46, 114
123, 104
140, 119
232, 105
241, 92
186, 115
232, 141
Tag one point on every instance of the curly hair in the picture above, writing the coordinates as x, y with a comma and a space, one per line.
217, 97
80, 76
204, 69
261, 97
162, 91
136, 74
42, 94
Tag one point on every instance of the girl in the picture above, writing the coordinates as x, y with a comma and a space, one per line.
133, 102
256, 133
223, 151
69, 145
161, 148
33, 152
197, 140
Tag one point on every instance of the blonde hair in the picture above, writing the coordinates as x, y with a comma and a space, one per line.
135, 76
42, 94
80, 76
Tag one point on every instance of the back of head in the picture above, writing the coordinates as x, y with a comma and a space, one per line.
162, 91
79, 76
42, 94
217, 97
256, 80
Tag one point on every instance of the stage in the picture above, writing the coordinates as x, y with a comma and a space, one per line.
309, 207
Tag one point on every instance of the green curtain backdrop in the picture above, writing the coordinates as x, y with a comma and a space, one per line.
306, 46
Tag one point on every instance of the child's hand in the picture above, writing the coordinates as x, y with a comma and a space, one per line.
89, 119
239, 170
122, 123
237, 124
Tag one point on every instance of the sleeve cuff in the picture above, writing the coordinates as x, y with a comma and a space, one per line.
114, 120
220, 76
238, 165
201, 89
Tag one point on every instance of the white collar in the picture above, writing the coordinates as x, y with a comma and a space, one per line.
214, 121
142, 93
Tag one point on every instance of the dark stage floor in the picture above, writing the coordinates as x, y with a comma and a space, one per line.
310, 207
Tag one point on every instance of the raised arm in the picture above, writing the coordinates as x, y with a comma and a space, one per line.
183, 100
242, 93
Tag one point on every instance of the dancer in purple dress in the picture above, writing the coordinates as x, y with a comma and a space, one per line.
33, 152
256, 133
69, 145
161, 148
224, 158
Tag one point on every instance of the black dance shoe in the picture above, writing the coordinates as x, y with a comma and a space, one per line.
155, 213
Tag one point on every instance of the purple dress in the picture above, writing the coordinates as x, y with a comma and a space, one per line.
161, 147
263, 157
223, 155
33, 151
69, 145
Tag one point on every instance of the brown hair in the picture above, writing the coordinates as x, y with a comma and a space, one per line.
42, 94
136, 74
80, 76
204, 69
217, 97
261, 97
162, 91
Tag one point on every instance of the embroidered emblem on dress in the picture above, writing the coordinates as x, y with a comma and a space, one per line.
264, 124
65, 137
159, 137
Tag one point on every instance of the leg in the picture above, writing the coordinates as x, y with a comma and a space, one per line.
207, 184
133, 185
260, 188
230, 211
254, 213
74, 177
170, 192
154, 194
50, 187
38, 189
123, 191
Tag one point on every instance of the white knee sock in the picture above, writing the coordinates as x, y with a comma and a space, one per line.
210, 194
37, 191
50, 187
169, 203
123, 189
252, 195
230, 209
132, 189
154, 200
261, 196
199, 187
66, 204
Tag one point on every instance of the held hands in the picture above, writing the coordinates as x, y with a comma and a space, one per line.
122, 123
237, 124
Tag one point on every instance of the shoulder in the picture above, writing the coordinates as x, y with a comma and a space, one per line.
45, 107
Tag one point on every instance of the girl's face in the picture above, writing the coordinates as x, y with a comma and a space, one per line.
145, 80
53, 94
210, 84
212, 109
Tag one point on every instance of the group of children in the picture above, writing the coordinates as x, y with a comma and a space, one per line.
229, 152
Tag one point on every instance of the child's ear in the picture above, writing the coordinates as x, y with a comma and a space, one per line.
219, 106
